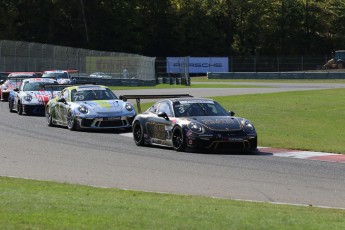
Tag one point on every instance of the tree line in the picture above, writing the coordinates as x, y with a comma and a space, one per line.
163, 28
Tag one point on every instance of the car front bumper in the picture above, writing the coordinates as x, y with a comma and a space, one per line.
224, 143
105, 122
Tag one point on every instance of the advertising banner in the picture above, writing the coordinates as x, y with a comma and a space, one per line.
197, 64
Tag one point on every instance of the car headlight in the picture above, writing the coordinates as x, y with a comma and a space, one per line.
248, 125
27, 97
196, 127
129, 107
83, 109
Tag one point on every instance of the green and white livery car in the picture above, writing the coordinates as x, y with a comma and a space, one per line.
89, 107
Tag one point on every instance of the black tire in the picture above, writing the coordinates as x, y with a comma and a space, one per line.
340, 65
71, 122
138, 134
19, 108
178, 139
49, 117
10, 106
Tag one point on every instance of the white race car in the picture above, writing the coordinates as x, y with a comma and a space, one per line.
33, 94
89, 107
61, 76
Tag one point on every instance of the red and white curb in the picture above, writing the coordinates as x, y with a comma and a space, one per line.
278, 152
309, 155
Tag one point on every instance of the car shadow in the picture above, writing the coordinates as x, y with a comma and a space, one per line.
105, 131
258, 152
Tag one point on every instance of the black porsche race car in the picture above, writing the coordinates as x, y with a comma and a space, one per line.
194, 123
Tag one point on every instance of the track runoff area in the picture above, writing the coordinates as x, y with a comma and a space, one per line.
290, 153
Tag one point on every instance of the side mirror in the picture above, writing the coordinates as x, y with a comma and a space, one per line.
63, 100
16, 90
1, 82
231, 113
164, 115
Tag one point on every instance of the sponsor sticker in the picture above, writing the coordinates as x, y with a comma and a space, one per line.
103, 104
90, 88
196, 101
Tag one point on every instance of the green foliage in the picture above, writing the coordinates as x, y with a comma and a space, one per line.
180, 28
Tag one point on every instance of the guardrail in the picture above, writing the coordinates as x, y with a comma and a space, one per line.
277, 75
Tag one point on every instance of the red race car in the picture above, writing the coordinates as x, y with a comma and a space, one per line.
12, 82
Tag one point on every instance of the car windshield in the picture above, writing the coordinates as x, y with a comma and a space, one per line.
198, 108
92, 94
54, 87
34, 86
12, 81
55, 75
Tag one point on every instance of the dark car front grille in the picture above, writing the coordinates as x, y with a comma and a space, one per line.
117, 123
238, 133
88, 123
230, 145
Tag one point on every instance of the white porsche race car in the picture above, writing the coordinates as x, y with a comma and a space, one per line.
33, 94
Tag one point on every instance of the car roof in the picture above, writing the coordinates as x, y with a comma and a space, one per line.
55, 71
16, 74
60, 71
87, 86
190, 99
31, 80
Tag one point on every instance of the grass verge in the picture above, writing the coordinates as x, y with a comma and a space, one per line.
193, 86
27, 204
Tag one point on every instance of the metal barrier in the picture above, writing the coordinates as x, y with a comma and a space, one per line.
276, 64
24, 56
277, 75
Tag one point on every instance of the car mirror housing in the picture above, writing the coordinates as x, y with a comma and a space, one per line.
164, 115
231, 113
63, 100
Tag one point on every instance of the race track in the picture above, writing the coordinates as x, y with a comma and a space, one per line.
31, 149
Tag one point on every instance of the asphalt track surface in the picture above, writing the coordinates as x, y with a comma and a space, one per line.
31, 149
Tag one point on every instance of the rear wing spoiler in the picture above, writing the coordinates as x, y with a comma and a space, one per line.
60, 87
138, 97
67, 85
55, 87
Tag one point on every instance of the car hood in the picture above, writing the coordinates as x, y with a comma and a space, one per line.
225, 123
103, 106
6, 87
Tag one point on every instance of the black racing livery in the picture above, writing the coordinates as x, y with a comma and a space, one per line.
189, 123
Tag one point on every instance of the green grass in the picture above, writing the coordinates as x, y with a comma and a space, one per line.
168, 86
308, 120
27, 204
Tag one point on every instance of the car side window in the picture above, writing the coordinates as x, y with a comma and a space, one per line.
153, 108
64, 94
165, 107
